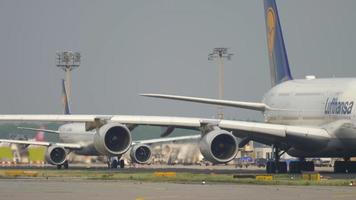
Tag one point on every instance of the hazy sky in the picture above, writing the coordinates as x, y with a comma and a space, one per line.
161, 46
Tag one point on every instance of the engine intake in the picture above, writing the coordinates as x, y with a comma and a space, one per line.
56, 155
218, 146
112, 139
141, 153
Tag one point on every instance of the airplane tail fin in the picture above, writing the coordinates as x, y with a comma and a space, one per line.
65, 99
277, 54
39, 137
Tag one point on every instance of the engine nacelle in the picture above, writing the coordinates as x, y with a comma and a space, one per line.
140, 153
112, 139
218, 146
56, 155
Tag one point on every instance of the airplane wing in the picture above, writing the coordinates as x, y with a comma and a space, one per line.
240, 129
237, 104
261, 132
39, 129
170, 139
65, 145
54, 118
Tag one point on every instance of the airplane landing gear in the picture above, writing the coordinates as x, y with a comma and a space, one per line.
65, 165
297, 167
275, 165
345, 166
122, 164
115, 162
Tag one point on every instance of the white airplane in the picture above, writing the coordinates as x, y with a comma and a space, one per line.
81, 142
303, 117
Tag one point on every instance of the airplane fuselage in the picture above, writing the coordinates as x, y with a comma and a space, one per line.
76, 133
326, 103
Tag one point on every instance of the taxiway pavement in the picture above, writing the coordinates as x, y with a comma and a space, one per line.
73, 189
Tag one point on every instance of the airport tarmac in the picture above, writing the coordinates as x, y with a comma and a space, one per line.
68, 189
77, 188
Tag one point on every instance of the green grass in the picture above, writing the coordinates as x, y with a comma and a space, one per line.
37, 153
185, 178
6, 153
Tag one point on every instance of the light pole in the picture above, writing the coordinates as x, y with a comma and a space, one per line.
67, 61
220, 54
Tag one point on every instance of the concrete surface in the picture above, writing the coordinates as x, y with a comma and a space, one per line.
68, 189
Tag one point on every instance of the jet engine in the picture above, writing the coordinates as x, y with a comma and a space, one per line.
56, 155
112, 139
140, 153
218, 146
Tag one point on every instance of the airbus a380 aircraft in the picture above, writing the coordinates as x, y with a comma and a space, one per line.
305, 118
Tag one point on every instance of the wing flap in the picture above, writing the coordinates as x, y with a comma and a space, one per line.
243, 129
254, 127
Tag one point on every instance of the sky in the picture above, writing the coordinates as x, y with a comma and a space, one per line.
162, 46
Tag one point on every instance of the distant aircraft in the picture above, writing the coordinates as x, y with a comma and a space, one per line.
21, 150
303, 117
39, 137
81, 142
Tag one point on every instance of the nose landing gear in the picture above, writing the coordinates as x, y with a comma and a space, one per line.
65, 165
115, 162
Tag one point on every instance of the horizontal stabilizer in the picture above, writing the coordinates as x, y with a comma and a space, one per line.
65, 145
237, 104
39, 129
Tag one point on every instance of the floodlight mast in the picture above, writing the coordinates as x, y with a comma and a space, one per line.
220, 54
68, 61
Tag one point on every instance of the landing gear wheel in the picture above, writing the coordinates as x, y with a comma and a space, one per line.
294, 167
345, 166
66, 165
282, 167
114, 164
275, 166
122, 164
351, 166
59, 166
279, 167
339, 167
271, 167
307, 166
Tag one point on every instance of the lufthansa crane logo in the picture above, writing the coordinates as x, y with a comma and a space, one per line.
271, 28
